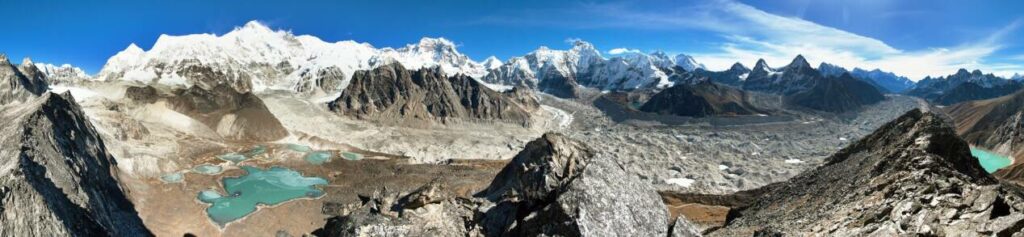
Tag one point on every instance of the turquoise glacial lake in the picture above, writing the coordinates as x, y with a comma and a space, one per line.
318, 157
989, 160
258, 187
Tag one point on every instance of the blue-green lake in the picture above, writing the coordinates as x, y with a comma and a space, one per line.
990, 160
208, 169
175, 177
258, 187
318, 157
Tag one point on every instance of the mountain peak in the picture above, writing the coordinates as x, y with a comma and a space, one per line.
3, 59
687, 62
492, 62
26, 61
799, 62
436, 43
254, 25
962, 71
738, 67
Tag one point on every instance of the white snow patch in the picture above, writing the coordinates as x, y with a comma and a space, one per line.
723, 167
79, 93
793, 161
682, 182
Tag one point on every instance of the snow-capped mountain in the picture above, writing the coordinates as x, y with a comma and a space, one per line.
1017, 77
585, 64
491, 63
62, 74
255, 57
886, 81
963, 86
687, 62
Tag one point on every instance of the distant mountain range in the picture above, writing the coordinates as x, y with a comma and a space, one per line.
963, 86
255, 58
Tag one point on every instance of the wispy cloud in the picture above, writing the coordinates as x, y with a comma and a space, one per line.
622, 51
749, 33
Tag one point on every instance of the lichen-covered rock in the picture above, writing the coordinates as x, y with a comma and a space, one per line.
56, 178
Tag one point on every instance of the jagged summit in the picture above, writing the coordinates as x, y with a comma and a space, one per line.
799, 62
26, 61
738, 67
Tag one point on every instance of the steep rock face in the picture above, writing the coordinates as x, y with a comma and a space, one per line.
559, 85
57, 178
963, 86
328, 80
233, 115
994, 124
703, 99
793, 78
15, 85
911, 176
393, 93
836, 94
733, 77
558, 186
554, 187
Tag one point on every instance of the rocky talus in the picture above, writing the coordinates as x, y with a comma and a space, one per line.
556, 186
56, 178
912, 176
393, 94
232, 114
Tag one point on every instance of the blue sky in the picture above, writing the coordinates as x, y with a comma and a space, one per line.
913, 38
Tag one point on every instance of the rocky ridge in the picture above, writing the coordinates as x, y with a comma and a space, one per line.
417, 97
58, 178
911, 176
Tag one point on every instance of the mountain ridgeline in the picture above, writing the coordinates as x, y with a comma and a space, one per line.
913, 175
964, 86
418, 97
703, 99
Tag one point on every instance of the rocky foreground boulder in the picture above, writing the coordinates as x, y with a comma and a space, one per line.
913, 176
392, 93
554, 187
56, 177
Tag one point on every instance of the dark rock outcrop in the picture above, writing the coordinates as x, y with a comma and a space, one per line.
733, 77
795, 77
702, 99
554, 187
392, 93
232, 114
836, 94
327, 80
912, 176
15, 85
57, 178
557, 84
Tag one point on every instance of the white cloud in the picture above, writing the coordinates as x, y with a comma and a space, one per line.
778, 39
622, 51
750, 33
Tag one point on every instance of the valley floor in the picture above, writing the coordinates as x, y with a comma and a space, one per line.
698, 157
